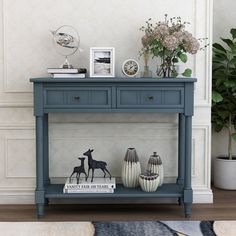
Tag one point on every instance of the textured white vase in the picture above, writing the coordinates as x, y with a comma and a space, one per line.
155, 166
149, 183
131, 169
224, 173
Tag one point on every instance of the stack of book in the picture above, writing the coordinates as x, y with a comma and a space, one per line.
99, 185
67, 73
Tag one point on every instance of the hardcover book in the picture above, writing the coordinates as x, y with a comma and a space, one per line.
77, 75
99, 185
108, 190
67, 71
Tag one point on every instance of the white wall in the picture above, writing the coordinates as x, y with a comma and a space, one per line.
224, 19
26, 50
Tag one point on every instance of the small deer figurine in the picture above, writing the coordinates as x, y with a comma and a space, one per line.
79, 170
93, 164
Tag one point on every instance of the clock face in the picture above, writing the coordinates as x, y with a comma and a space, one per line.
130, 68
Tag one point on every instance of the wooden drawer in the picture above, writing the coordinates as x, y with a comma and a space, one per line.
150, 97
80, 97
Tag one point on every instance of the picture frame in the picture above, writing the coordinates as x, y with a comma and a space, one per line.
102, 62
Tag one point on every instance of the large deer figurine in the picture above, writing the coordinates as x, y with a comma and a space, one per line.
93, 164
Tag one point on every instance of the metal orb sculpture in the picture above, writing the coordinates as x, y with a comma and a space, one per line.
66, 42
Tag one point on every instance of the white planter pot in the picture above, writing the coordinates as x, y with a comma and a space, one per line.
225, 173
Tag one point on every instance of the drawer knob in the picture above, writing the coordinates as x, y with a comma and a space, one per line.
77, 97
150, 97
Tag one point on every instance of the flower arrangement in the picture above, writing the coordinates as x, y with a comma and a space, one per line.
169, 41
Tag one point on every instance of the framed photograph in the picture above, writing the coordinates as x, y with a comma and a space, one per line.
102, 62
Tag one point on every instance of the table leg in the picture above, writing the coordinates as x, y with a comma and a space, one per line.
188, 193
40, 190
45, 150
181, 149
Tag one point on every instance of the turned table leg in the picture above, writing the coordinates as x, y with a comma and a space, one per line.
188, 193
181, 152
40, 190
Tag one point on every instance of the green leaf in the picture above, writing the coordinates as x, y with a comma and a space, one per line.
228, 42
233, 33
216, 97
218, 128
174, 74
218, 61
233, 61
219, 82
218, 67
167, 52
219, 54
219, 47
223, 114
234, 136
230, 83
183, 57
220, 57
187, 73
175, 60
219, 74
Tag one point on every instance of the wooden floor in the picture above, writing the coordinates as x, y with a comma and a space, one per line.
224, 208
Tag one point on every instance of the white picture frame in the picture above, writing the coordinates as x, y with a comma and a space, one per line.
102, 62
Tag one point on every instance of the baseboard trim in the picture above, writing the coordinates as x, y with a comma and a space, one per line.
17, 199
203, 196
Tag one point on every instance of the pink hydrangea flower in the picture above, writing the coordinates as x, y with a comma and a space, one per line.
171, 42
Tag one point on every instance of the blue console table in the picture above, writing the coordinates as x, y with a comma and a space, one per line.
173, 95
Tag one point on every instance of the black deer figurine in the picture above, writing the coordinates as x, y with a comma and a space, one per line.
93, 164
79, 170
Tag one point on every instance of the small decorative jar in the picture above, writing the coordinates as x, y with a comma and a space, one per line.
131, 169
149, 182
155, 166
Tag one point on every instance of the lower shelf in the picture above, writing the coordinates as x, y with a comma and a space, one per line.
166, 190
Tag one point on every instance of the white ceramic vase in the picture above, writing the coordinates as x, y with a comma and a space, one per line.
155, 166
149, 183
131, 169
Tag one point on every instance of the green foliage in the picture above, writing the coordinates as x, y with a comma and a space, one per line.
234, 136
187, 73
174, 73
216, 97
183, 57
233, 33
224, 86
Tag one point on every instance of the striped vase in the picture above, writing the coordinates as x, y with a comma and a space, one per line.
155, 166
131, 169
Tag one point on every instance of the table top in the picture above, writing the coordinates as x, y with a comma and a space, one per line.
113, 80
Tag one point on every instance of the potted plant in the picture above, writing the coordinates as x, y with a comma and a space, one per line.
224, 107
